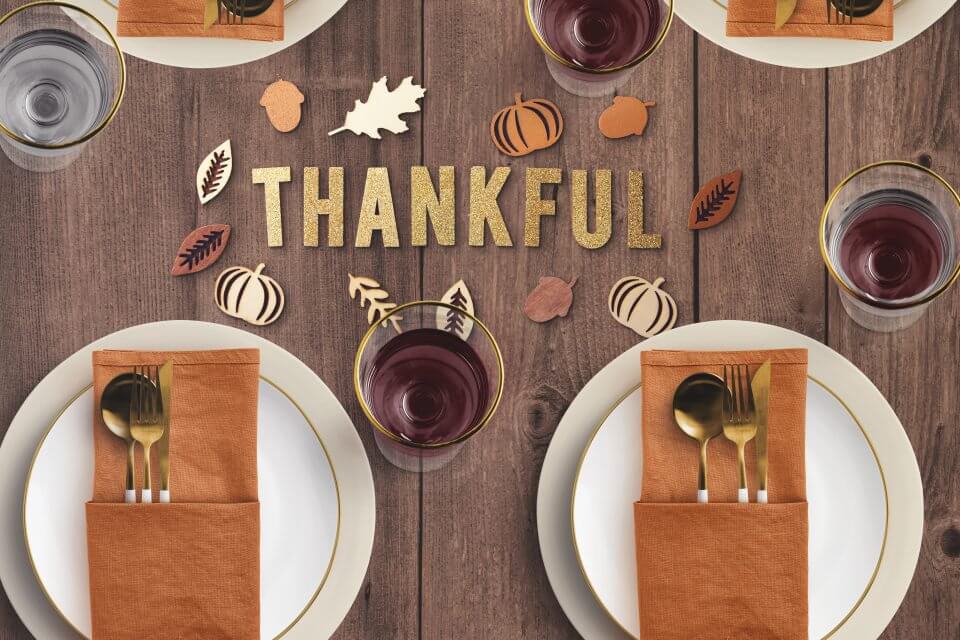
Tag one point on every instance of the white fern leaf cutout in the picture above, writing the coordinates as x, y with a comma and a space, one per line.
451, 320
214, 172
383, 108
372, 294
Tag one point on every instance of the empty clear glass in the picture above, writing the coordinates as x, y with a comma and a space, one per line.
62, 78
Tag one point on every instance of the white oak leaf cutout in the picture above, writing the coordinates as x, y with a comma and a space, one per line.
450, 320
214, 172
383, 108
371, 294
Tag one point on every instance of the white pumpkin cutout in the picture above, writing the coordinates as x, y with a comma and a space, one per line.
249, 295
641, 306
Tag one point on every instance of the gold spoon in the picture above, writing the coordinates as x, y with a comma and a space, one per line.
698, 411
115, 411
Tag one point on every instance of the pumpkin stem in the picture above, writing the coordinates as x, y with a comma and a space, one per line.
518, 97
657, 283
259, 269
650, 104
573, 282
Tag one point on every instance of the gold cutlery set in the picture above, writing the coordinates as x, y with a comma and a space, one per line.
838, 11
706, 405
136, 407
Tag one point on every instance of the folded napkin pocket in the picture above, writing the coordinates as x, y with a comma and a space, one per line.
192, 569
722, 571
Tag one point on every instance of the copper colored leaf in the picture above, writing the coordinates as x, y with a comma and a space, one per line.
200, 249
715, 201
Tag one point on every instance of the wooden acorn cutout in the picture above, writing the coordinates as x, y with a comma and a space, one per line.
627, 116
715, 201
249, 295
551, 298
641, 306
283, 101
526, 126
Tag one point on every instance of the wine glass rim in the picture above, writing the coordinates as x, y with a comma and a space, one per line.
491, 409
873, 301
119, 93
664, 29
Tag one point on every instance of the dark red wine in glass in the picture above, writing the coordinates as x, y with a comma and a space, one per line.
599, 34
427, 386
893, 246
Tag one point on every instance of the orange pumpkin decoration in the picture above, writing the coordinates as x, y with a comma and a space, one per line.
526, 126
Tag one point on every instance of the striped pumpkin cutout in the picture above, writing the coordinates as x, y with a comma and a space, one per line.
526, 126
641, 306
249, 295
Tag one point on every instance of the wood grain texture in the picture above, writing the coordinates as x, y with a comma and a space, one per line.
916, 369
456, 552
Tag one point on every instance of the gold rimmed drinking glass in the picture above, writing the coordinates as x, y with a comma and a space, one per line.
592, 46
890, 238
62, 79
428, 376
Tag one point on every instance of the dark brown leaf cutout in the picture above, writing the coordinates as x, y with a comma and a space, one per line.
201, 249
715, 201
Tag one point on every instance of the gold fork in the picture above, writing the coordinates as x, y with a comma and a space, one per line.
840, 11
233, 11
146, 419
739, 418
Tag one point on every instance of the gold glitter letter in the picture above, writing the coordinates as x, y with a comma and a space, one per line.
636, 238
376, 211
313, 207
424, 203
271, 178
603, 193
536, 205
484, 208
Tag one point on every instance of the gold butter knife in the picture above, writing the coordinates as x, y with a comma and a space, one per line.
163, 445
785, 9
211, 10
761, 398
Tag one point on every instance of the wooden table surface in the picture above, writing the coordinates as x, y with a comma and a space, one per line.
87, 251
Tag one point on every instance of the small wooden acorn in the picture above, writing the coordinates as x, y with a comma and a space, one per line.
627, 116
551, 298
526, 126
283, 101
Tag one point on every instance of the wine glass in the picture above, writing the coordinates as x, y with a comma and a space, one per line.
428, 376
889, 235
592, 46
62, 78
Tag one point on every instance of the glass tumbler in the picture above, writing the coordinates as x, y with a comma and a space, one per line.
592, 46
889, 236
428, 376
62, 79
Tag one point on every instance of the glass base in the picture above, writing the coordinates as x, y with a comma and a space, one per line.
587, 85
413, 459
39, 160
877, 319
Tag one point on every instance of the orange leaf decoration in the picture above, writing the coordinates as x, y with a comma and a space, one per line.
715, 201
200, 249
526, 126
550, 299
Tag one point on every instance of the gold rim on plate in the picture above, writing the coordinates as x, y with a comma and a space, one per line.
616, 405
333, 472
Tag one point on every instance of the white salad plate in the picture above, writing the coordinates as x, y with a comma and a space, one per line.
709, 17
317, 509
863, 483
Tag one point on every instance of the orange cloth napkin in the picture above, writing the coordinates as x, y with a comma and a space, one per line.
191, 568
185, 18
723, 570
756, 18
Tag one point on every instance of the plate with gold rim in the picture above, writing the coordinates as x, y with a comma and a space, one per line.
887, 482
911, 18
315, 486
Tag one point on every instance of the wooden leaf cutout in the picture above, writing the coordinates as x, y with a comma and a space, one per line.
715, 201
371, 294
214, 172
551, 298
383, 108
200, 249
450, 320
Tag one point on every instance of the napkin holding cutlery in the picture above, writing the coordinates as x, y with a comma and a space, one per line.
722, 570
184, 18
191, 568
751, 18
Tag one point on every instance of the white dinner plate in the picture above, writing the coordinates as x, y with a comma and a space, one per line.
845, 495
300, 19
308, 455
837, 381
299, 511
709, 17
